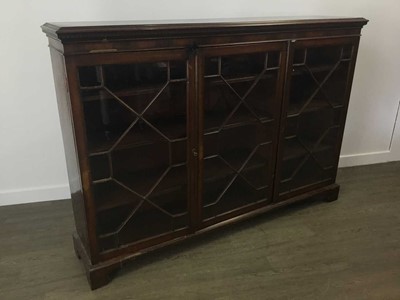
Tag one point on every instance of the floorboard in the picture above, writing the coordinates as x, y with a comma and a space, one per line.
347, 249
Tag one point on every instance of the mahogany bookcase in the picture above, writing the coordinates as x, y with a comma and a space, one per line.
172, 129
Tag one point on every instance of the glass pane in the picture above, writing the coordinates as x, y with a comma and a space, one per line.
239, 100
106, 119
135, 118
316, 107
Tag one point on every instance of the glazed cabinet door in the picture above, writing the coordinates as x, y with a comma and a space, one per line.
240, 90
134, 108
318, 87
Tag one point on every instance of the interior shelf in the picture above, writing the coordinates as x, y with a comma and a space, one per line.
238, 195
296, 150
301, 69
216, 169
91, 93
139, 228
141, 183
216, 79
214, 120
141, 134
313, 106
110, 195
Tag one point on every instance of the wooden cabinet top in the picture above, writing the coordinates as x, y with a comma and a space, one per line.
70, 32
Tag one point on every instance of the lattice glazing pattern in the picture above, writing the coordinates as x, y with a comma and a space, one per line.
240, 94
318, 90
136, 127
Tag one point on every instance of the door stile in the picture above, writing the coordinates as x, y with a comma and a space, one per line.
282, 119
193, 149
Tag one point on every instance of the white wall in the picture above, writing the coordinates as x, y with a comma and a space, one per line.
32, 166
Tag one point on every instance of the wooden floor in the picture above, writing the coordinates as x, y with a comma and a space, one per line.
348, 249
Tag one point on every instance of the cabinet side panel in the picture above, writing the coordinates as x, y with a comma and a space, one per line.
74, 176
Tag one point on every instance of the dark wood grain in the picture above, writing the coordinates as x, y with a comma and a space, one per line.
87, 31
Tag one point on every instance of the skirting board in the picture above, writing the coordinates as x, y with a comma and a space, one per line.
59, 192
29, 195
366, 159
